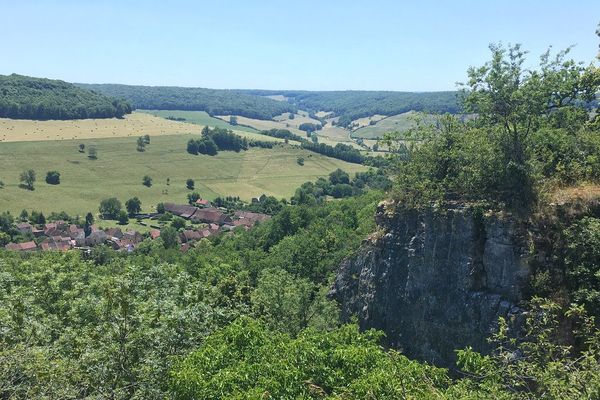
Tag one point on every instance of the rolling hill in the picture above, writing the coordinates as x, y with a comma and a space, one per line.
213, 101
25, 97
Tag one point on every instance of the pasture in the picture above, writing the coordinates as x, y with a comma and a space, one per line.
119, 169
197, 118
132, 125
395, 123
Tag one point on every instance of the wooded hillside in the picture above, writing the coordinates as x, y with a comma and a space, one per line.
25, 97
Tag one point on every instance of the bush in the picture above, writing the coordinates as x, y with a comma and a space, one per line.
147, 181
52, 177
189, 184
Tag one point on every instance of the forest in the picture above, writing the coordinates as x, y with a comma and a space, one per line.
24, 97
213, 101
353, 104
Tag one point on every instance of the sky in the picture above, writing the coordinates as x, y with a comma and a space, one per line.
267, 44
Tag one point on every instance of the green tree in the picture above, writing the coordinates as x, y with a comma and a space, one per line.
133, 206
81, 147
123, 218
189, 183
193, 197
110, 208
141, 144
28, 178
170, 237
147, 181
53, 177
178, 223
160, 208
233, 120
146, 139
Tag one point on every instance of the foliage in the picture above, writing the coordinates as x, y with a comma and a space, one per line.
123, 218
538, 365
582, 262
53, 177
133, 206
24, 97
189, 183
246, 361
28, 178
147, 181
351, 105
340, 151
213, 101
531, 133
110, 208
282, 134
141, 144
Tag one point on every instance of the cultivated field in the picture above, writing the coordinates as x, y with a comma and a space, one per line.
399, 123
135, 124
119, 169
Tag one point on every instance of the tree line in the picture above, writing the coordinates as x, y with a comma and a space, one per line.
24, 97
213, 101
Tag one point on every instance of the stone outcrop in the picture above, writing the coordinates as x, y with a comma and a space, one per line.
435, 281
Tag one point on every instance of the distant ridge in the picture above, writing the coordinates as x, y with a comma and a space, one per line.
25, 97
213, 101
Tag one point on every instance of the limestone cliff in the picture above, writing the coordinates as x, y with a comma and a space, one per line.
435, 281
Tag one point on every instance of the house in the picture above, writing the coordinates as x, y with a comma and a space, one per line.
77, 235
202, 203
154, 233
61, 243
25, 227
114, 233
181, 210
252, 216
190, 236
211, 215
96, 237
37, 232
133, 237
27, 246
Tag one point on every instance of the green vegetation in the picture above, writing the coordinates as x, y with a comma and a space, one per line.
197, 118
53, 177
213, 101
24, 97
28, 178
351, 105
396, 123
533, 133
118, 171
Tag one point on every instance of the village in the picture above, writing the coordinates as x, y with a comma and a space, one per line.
206, 221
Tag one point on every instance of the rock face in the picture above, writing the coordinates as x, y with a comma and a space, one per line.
435, 282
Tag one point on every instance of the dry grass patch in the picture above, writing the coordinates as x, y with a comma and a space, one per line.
135, 124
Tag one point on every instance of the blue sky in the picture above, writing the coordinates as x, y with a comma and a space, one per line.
314, 45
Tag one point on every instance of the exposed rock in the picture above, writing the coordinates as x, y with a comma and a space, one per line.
435, 281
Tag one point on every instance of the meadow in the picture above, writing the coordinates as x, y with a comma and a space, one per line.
197, 118
119, 169
132, 125
394, 123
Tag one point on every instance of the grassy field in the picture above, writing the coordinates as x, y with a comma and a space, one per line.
119, 169
400, 123
263, 125
366, 121
135, 124
197, 118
